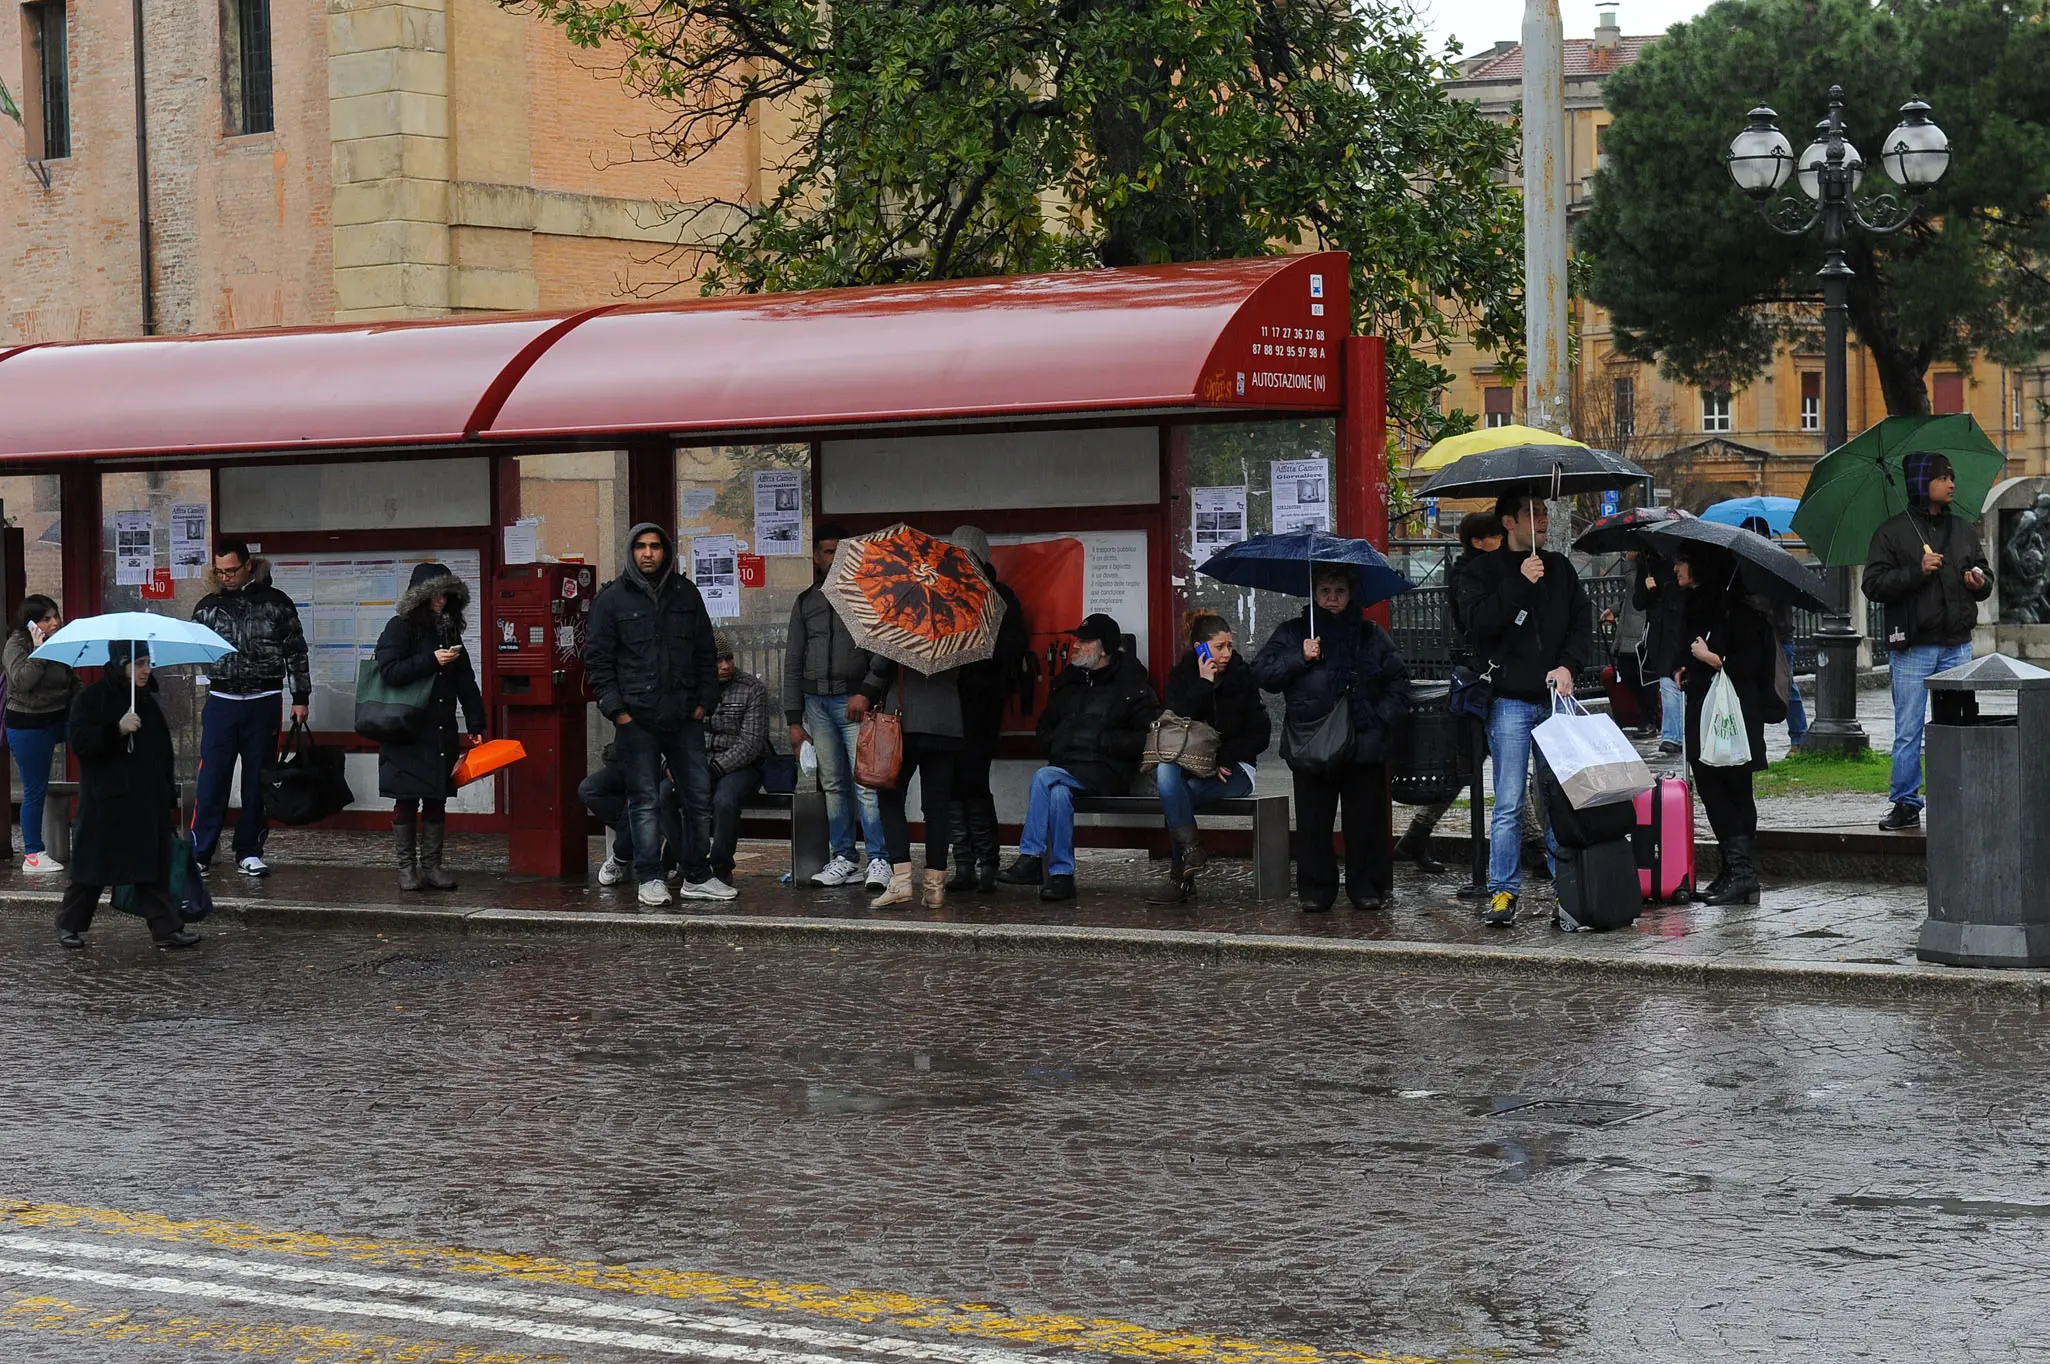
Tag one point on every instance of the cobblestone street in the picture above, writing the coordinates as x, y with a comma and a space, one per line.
987, 1159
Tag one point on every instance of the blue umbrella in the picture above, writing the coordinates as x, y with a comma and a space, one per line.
1284, 563
1776, 512
83, 643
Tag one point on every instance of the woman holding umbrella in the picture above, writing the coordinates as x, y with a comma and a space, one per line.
1329, 656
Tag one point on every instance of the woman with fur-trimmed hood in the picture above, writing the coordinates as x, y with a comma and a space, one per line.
425, 639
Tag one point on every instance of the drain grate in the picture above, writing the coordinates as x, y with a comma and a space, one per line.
1584, 1112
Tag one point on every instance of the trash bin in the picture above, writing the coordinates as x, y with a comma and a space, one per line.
1429, 762
1988, 782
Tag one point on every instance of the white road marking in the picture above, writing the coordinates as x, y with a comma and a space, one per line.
550, 1303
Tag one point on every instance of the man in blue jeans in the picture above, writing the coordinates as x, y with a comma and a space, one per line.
244, 699
1528, 615
822, 670
1926, 566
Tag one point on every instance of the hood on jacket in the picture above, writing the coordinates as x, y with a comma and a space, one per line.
639, 529
259, 576
1923, 467
430, 580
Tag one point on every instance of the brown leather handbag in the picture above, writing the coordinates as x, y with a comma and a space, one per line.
879, 749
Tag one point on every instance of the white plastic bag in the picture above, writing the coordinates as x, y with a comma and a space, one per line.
1724, 742
807, 758
1594, 763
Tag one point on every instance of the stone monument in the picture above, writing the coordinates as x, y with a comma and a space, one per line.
2015, 529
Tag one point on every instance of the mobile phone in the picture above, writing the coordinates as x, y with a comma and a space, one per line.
1202, 651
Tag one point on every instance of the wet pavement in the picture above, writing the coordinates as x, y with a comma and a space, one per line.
346, 1144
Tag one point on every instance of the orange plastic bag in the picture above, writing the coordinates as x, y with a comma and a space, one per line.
487, 758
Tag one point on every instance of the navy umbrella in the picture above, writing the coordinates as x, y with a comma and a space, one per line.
1284, 563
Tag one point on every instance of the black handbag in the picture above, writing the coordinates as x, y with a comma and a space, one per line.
1319, 747
1472, 692
305, 782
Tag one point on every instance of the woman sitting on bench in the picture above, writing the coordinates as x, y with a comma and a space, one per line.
1211, 684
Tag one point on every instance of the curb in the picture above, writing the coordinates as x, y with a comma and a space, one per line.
1844, 980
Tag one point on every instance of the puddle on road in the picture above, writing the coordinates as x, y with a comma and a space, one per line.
1948, 1205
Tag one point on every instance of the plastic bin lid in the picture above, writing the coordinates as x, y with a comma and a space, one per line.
1994, 672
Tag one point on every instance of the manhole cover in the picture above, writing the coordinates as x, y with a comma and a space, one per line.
1585, 1112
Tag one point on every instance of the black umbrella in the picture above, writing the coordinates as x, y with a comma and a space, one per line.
1624, 530
1767, 568
1553, 470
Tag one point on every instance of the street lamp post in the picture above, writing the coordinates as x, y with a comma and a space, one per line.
1830, 172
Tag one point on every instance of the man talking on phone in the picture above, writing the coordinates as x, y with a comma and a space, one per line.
1528, 618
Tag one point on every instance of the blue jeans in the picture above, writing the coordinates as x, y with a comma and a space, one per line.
604, 794
231, 732
1509, 725
33, 749
730, 791
1910, 669
1672, 712
1181, 795
832, 738
642, 752
1797, 714
1050, 820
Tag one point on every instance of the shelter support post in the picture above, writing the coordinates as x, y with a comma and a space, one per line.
651, 483
1363, 445
79, 519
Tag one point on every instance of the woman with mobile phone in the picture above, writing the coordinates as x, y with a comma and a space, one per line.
425, 639
1212, 685
39, 697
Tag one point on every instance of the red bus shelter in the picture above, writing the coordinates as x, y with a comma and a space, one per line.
1064, 405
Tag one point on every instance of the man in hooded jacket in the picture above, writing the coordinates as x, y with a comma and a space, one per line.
1927, 567
653, 664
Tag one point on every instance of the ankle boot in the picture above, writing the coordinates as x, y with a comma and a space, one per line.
1742, 887
960, 862
899, 892
406, 841
433, 837
1416, 846
936, 886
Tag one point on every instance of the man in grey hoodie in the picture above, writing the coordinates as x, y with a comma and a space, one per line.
654, 667
822, 672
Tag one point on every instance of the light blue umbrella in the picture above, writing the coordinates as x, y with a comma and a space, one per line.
1776, 512
83, 643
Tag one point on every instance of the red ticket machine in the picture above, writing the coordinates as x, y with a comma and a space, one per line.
539, 619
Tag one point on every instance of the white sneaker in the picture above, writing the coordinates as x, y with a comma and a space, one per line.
654, 892
711, 888
612, 873
837, 872
878, 876
40, 862
252, 866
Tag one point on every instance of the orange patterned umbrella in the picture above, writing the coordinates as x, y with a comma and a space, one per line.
914, 599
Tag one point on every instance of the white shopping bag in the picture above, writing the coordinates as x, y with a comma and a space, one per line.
1724, 742
1594, 763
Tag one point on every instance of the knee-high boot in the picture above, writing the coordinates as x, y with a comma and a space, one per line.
433, 837
982, 837
961, 856
405, 840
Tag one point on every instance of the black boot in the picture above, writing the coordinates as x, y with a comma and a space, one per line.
1742, 887
433, 837
1024, 871
1417, 848
406, 841
1186, 861
960, 852
982, 836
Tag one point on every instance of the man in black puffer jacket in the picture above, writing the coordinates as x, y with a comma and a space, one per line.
1092, 732
1528, 617
654, 667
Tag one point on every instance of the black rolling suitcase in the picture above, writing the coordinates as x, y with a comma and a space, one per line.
1598, 886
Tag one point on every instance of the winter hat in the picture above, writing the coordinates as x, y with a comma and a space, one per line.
973, 540
1922, 468
722, 644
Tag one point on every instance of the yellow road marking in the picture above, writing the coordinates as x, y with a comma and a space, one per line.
898, 1311
258, 1340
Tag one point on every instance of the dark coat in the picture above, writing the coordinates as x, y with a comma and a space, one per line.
985, 686
1935, 608
423, 768
1743, 635
263, 625
1359, 663
650, 651
126, 812
1457, 643
1664, 604
819, 657
1524, 628
1231, 705
1095, 723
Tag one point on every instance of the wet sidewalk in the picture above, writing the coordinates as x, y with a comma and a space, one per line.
1805, 935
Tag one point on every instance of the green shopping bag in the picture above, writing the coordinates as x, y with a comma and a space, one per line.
386, 713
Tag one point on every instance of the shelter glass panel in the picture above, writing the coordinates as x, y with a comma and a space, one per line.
140, 571
32, 504
744, 522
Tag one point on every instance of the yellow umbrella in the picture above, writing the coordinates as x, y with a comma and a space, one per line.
1487, 438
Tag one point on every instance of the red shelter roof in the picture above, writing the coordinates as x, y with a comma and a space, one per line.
1253, 334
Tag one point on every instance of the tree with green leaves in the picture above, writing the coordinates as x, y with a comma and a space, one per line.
1695, 281
949, 138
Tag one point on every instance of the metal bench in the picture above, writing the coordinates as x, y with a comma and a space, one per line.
1270, 830
810, 840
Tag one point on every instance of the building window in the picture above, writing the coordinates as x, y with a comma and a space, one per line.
47, 60
1715, 409
1950, 394
245, 67
1624, 397
1811, 402
1499, 404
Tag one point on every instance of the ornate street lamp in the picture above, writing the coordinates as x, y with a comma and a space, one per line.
1831, 175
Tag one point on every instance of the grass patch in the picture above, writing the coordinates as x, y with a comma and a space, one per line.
1812, 774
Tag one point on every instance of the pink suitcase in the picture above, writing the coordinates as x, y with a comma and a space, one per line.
1665, 841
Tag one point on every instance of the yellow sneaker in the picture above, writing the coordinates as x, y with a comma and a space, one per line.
1501, 910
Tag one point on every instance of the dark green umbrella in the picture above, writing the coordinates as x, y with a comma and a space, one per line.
1860, 485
